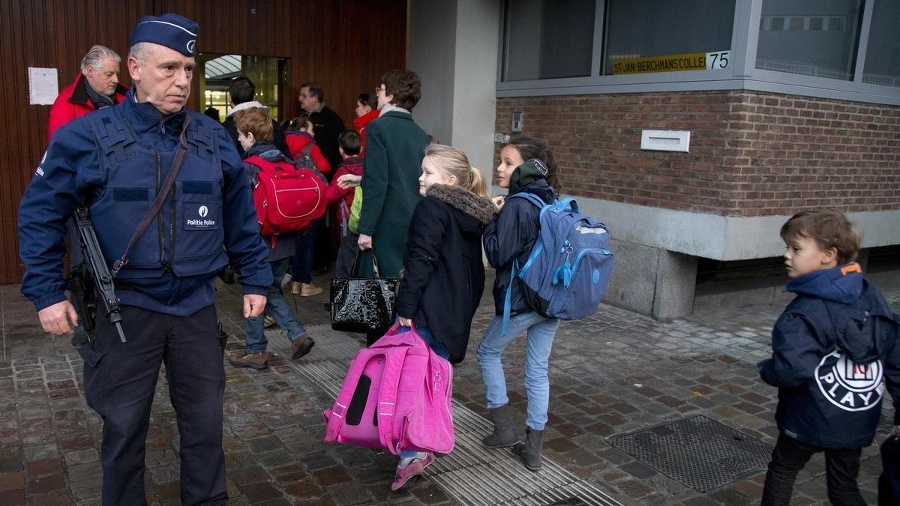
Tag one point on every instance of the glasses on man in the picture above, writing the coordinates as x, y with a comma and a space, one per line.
379, 89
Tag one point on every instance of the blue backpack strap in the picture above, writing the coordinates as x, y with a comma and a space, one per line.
507, 302
516, 272
539, 246
534, 199
568, 202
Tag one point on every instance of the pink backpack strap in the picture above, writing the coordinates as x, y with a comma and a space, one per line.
409, 354
339, 411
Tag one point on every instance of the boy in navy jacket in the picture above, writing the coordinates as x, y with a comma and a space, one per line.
833, 350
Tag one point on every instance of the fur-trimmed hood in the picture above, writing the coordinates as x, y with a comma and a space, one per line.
443, 277
460, 198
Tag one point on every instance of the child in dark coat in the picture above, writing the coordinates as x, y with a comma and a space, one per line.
443, 273
343, 195
527, 165
833, 350
254, 127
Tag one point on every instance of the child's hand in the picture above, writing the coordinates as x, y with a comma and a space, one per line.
406, 322
348, 181
498, 202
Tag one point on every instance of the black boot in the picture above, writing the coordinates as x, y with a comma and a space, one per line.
504, 430
530, 451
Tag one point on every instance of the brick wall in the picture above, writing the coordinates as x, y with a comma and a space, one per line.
751, 154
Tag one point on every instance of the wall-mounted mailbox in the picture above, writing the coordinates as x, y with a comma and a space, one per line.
666, 140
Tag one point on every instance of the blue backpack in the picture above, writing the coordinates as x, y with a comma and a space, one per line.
569, 266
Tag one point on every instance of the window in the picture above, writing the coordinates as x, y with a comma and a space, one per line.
837, 49
883, 65
546, 39
638, 30
810, 38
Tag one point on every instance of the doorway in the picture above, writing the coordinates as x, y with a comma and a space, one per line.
217, 71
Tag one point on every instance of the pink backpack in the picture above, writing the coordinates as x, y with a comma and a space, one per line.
396, 395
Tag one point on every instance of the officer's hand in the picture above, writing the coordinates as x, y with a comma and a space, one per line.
254, 305
364, 242
60, 319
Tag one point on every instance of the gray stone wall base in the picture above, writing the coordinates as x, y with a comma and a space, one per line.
663, 284
652, 281
676, 279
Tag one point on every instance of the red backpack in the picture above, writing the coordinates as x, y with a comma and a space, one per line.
287, 197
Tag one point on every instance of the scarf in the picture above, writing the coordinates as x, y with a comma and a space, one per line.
98, 99
391, 107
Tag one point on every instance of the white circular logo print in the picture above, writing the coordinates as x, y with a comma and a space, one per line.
203, 211
850, 386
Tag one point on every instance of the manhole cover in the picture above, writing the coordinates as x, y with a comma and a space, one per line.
697, 451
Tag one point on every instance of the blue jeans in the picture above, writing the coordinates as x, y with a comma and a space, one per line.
789, 457
343, 266
254, 328
540, 334
302, 261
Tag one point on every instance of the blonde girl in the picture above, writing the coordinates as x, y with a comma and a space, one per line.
443, 273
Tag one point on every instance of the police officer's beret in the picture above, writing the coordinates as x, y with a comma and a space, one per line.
170, 30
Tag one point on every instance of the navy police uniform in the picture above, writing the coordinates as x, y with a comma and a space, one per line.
115, 160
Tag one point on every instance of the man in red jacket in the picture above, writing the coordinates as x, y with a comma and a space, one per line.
96, 87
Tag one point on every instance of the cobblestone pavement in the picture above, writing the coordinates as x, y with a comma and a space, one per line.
613, 374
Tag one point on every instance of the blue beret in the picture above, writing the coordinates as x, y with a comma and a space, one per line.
170, 30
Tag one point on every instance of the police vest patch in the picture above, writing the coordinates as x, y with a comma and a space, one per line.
198, 216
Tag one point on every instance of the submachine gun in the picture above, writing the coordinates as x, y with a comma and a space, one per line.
80, 284
91, 279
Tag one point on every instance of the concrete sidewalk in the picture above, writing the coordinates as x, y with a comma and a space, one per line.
642, 412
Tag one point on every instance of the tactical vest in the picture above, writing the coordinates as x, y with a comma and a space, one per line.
186, 236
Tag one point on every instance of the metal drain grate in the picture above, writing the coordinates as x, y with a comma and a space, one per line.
470, 474
569, 501
697, 451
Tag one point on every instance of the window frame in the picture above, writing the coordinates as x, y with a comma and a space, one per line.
743, 74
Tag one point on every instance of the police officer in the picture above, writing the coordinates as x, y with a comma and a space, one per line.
113, 161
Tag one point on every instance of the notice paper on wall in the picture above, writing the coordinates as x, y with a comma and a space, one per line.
43, 85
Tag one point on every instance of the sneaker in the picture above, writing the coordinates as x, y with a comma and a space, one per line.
415, 468
301, 346
309, 289
251, 360
285, 281
296, 286
268, 321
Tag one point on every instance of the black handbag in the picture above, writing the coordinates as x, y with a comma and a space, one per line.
362, 304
